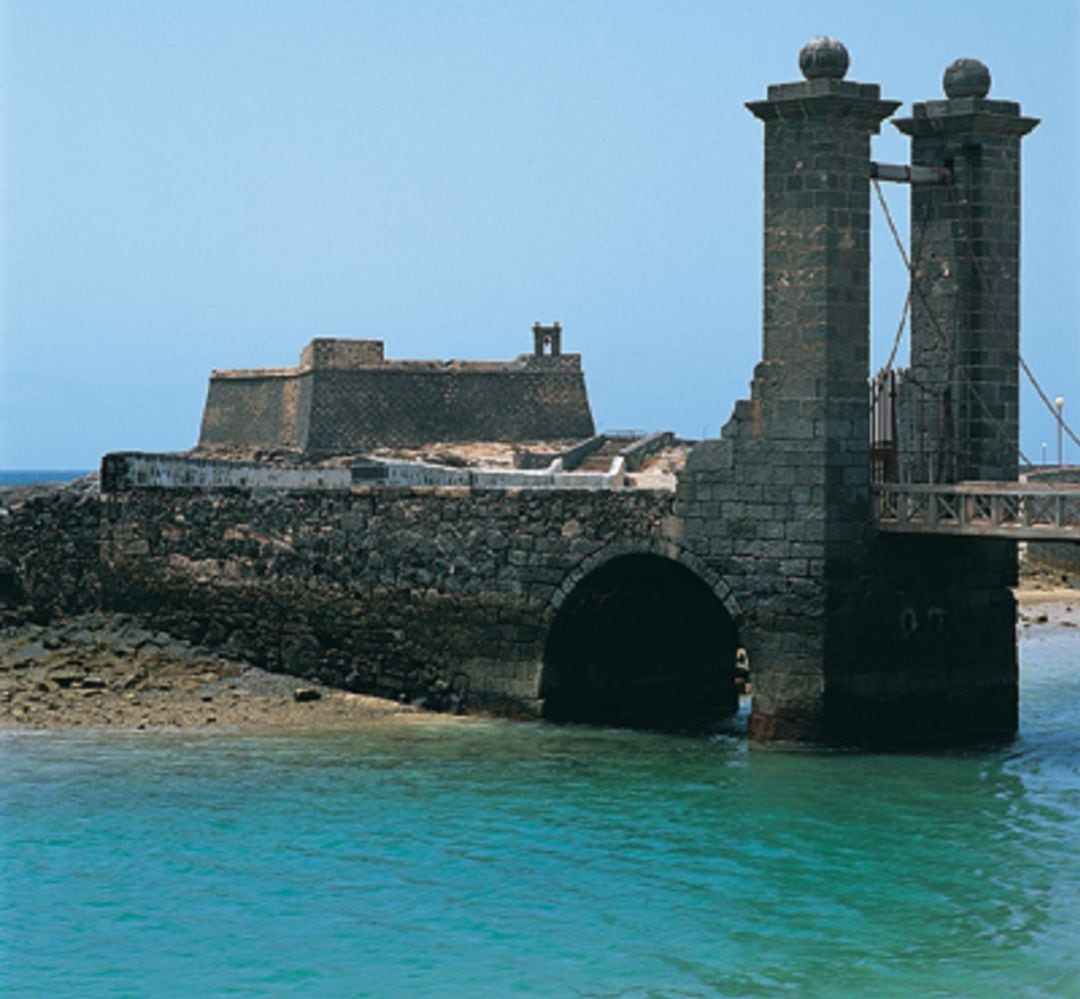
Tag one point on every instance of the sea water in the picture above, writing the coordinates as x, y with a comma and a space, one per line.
34, 476
485, 858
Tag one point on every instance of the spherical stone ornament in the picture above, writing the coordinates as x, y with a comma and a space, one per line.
824, 57
966, 78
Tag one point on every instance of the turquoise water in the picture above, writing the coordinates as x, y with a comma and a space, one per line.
483, 858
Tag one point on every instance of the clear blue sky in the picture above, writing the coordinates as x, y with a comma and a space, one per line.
190, 185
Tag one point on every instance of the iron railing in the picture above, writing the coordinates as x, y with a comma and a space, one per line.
1016, 510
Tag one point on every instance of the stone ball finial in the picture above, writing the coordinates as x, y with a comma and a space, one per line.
824, 57
966, 78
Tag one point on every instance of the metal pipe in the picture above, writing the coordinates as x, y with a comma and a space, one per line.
902, 173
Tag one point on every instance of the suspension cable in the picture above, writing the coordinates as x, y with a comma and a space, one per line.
992, 298
995, 422
899, 331
1058, 417
908, 264
1054, 411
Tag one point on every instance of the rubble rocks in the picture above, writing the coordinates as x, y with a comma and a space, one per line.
104, 671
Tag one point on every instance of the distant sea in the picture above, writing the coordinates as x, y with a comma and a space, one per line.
26, 477
481, 858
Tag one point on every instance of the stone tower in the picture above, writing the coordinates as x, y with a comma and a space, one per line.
930, 652
938, 619
857, 637
782, 500
961, 405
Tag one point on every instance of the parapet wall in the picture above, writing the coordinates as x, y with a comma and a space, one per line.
327, 353
346, 397
122, 471
125, 471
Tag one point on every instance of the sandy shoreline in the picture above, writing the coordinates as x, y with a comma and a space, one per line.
1058, 608
1057, 595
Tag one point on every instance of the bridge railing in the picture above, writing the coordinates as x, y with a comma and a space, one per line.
983, 509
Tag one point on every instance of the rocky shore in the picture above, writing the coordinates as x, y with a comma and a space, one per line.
1047, 596
108, 671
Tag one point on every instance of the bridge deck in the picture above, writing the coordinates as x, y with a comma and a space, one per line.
1017, 510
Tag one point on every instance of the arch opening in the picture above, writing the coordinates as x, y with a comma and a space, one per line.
643, 642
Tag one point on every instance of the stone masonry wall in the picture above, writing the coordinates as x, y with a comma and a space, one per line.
780, 504
256, 410
439, 595
50, 554
344, 397
965, 308
324, 352
362, 408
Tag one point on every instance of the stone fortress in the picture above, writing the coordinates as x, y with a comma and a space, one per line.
562, 594
345, 396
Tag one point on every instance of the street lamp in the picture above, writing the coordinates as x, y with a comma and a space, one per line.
1059, 402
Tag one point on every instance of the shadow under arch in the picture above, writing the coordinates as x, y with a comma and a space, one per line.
642, 637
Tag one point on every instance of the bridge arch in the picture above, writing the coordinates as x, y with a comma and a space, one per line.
643, 634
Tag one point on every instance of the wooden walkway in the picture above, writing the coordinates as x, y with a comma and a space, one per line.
1016, 510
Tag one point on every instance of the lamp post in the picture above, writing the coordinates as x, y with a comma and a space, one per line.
1059, 402
1043, 462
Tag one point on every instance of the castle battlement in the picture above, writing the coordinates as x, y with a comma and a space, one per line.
346, 396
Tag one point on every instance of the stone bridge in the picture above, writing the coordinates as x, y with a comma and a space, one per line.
622, 607
628, 606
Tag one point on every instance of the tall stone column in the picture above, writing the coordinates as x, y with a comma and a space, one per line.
939, 648
810, 404
961, 403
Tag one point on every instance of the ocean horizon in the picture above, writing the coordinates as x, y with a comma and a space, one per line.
33, 476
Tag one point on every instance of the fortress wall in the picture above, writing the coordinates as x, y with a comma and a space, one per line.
304, 392
125, 470
324, 352
50, 554
407, 405
420, 592
441, 595
252, 410
121, 471
345, 397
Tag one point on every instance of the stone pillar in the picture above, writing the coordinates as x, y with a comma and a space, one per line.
935, 637
810, 403
961, 402
817, 273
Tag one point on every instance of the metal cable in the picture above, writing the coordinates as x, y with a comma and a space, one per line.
899, 331
1058, 417
995, 422
909, 264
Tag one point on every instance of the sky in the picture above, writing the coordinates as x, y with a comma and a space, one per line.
197, 184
